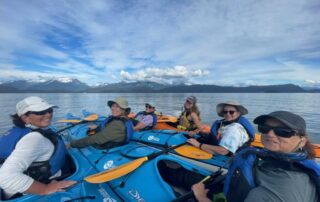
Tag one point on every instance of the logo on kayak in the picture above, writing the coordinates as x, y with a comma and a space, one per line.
105, 195
108, 164
153, 138
135, 194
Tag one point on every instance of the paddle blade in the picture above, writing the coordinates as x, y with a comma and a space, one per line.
167, 118
92, 117
193, 152
116, 172
69, 121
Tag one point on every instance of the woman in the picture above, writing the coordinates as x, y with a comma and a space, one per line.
32, 154
116, 130
190, 118
284, 170
228, 134
147, 119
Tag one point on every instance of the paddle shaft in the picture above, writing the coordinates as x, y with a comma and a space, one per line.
154, 155
216, 175
66, 128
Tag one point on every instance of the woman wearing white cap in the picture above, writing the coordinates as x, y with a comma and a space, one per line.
284, 170
31, 153
115, 130
147, 119
230, 133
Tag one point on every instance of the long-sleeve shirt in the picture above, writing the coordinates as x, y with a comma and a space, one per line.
114, 131
31, 148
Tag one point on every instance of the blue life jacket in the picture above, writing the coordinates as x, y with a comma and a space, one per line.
127, 122
242, 120
240, 179
154, 122
40, 171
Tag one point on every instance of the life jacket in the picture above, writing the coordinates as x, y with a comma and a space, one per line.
154, 117
127, 122
241, 120
40, 171
240, 178
186, 124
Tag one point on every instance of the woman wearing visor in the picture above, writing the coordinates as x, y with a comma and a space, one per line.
31, 153
284, 170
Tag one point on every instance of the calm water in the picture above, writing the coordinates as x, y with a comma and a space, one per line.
306, 105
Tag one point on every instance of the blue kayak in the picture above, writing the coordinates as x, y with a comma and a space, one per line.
143, 184
82, 190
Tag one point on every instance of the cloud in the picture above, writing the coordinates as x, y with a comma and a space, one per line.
163, 74
213, 42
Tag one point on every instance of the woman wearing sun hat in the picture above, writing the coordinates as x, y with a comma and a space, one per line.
116, 130
31, 153
228, 134
284, 170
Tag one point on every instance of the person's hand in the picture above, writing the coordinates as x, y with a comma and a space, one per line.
67, 145
192, 133
193, 142
92, 127
55, 186
200, 192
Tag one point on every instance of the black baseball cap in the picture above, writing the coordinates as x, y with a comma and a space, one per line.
291, 120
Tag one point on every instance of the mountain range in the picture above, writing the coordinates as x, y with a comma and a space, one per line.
76, 86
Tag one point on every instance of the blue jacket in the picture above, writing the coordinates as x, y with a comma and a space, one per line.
40, 171
127, 122
240, 178
154, 116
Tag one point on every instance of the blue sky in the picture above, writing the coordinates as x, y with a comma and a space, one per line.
245, 42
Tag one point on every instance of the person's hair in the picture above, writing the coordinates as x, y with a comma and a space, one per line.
127, 111
194, 109
311, 154
17, 121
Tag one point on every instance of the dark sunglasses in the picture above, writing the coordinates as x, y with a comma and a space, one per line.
148, 106
282, 132
50, 111
230, 112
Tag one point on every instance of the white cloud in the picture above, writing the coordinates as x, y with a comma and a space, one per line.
212, 41
162, 74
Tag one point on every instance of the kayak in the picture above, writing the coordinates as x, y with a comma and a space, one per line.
136, 185
82, 191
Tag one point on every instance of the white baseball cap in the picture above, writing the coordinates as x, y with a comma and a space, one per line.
32, 103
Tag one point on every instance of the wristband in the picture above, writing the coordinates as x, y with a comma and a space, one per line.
200, 145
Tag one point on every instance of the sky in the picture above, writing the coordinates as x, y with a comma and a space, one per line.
227, 42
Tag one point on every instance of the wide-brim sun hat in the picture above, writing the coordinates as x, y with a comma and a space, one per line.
32, 104
122, 102
292, 121
220, 107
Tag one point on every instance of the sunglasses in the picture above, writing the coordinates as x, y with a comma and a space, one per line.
50, 111
148, 106
281, 132
230, 112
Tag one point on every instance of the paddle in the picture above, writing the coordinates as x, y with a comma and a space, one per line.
185, 150
217, 177
92, 117
124, 169
167, 118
